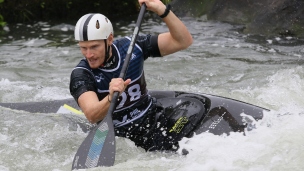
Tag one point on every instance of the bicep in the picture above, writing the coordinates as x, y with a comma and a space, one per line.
167, 45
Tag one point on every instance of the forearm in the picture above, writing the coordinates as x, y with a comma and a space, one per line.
178, 30
178, 37
98, 111
93, 109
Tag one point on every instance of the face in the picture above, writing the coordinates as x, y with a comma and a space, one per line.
94, 52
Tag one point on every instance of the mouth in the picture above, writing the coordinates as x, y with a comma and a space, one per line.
93, 62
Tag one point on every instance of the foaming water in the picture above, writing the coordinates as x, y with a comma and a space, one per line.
276, 144
35, 65
36, 141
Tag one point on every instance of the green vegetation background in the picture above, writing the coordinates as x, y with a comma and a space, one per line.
20, 11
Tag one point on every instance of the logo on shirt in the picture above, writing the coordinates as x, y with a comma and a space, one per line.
133, 56
110, 63
99, 77
127, 118
78, 84
135, 113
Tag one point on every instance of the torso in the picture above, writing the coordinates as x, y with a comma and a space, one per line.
136, 90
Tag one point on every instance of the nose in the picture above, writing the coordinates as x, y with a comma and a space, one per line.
89, 53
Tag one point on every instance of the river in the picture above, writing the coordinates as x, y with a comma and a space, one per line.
36, 61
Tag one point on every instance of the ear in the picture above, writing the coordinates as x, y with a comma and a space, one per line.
110, 39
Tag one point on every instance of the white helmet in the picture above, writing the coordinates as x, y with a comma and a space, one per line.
93, 27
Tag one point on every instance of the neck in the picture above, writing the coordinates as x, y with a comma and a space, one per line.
109, 53
107, 58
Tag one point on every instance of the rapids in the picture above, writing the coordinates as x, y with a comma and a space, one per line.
36, 61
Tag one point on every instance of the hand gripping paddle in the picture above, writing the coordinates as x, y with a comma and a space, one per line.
98, 148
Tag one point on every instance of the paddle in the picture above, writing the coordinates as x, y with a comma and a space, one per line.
98, 148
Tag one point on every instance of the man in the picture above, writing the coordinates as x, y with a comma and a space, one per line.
94, 80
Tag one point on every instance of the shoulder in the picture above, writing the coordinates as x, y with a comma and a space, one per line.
82, 80
83, 68
83, 63
122, 41
81, 72
149, 43
141, 40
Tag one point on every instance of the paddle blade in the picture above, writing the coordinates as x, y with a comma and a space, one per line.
98, 148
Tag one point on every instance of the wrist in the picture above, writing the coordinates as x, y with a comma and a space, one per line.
109, 99
166, 12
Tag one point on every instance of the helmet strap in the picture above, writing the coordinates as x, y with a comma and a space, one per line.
107, 52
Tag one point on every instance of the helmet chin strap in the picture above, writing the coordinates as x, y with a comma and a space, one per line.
107, 52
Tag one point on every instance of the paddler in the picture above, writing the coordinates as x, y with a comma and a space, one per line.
95, 79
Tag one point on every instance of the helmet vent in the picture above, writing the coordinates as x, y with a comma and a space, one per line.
97, 24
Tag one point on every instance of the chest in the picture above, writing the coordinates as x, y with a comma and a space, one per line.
103, 76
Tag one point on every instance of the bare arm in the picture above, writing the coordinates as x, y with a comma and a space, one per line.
93, 109
96, 110
178, 37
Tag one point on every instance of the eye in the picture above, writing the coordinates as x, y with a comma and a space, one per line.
95, 46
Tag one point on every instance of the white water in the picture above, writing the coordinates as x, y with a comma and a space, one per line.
259, 70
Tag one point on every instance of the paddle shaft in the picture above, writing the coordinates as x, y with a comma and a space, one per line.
128, 57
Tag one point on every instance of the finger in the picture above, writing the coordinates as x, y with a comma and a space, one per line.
127, 82
140, 2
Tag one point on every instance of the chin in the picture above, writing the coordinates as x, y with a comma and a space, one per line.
94, 66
